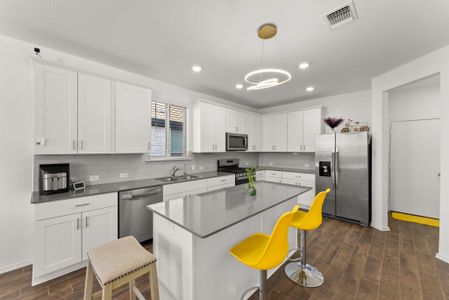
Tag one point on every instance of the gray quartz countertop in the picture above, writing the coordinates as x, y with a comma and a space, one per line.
209, 213
115, 187
295, 170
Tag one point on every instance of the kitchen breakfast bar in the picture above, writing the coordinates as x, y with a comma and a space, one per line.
192, 236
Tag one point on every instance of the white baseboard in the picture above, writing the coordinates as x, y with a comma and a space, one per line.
15, 266
442, 257
380, 228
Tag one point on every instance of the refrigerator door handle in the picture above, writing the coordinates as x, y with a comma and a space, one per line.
333, 167
337, 166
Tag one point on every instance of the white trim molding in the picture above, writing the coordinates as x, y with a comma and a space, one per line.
442, 257
13, 267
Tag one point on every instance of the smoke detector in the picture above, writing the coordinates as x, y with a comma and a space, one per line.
342, 15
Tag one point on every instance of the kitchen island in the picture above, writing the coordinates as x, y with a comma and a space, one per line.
192, 236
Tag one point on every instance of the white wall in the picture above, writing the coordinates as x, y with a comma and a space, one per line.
355, 106
436, 62
16, 151
415, 103
16, 157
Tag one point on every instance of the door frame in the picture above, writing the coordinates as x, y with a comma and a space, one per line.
434, 63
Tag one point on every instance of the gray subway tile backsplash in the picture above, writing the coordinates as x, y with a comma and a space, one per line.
109, 166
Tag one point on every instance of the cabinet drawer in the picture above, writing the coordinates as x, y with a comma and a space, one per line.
300, 176
176, 188
273, 179
222, 180
260, 174
66, 207
184, 193
273, 173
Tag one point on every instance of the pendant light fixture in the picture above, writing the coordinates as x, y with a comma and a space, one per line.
268, 77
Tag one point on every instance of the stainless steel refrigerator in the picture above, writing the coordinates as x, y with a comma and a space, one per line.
343, 164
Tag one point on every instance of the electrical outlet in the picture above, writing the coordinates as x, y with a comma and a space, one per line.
246, 163
270, 163
201, 168
193, 167
94, 177
123, 175
306, 165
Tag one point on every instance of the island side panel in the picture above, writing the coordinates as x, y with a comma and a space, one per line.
217, 274
172, 246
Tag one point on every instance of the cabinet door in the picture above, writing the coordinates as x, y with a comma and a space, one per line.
94, 114
268, 133
132, 118
295, 131
253, 127
312, 127
99, 227
55, 110
234, 121
219, 129
280, 133
57, 244
206, 129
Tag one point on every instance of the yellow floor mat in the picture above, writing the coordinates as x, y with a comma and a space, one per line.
416, 219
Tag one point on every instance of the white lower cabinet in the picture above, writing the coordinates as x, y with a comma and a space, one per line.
179, 190
99, 227
65, 230
58, 244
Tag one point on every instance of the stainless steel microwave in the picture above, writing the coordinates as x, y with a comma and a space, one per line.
236, 142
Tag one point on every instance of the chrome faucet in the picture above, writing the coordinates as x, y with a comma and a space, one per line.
174, 170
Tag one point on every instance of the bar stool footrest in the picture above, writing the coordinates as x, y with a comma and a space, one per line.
254, 288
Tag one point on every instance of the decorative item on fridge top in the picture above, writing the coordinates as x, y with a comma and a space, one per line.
352, 126
333, 122
251, 173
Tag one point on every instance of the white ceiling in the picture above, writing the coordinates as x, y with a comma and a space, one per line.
162, 39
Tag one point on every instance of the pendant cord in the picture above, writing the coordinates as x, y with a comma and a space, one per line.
261, 58
280, 53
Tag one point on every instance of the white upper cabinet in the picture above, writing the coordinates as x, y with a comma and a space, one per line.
253, 127
55, 110
209, 128
295, 131
132, 118
94, 114
313, 125
274, 131
303, 127
235, 121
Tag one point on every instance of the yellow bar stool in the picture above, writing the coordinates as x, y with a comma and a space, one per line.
263, 252
300, 272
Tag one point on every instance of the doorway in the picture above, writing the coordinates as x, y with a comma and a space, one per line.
415, 133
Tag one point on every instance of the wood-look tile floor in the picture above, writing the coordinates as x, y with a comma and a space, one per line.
357, 263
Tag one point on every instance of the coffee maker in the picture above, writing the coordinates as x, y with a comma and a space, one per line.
54, 178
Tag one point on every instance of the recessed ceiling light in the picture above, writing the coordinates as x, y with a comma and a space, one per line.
304, 65
239, 86
196, 68
310, 89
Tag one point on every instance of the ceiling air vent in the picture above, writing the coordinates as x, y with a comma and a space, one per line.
342, 16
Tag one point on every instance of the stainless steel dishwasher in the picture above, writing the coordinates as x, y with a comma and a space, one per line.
134, 217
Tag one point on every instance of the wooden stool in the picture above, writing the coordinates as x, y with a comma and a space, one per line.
117, 263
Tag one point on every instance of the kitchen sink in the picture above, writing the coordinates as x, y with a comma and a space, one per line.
177, 178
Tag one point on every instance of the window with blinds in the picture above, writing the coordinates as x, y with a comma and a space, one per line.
168, 130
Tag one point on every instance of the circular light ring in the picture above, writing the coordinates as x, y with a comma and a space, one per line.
267, 83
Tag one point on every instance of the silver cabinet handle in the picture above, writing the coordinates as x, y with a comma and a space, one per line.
87, 221
74, 145
77, 223
82, 144
80, 205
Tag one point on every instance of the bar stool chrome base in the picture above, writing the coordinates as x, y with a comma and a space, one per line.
306, 276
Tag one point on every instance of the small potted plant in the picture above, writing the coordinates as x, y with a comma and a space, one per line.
251, 174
